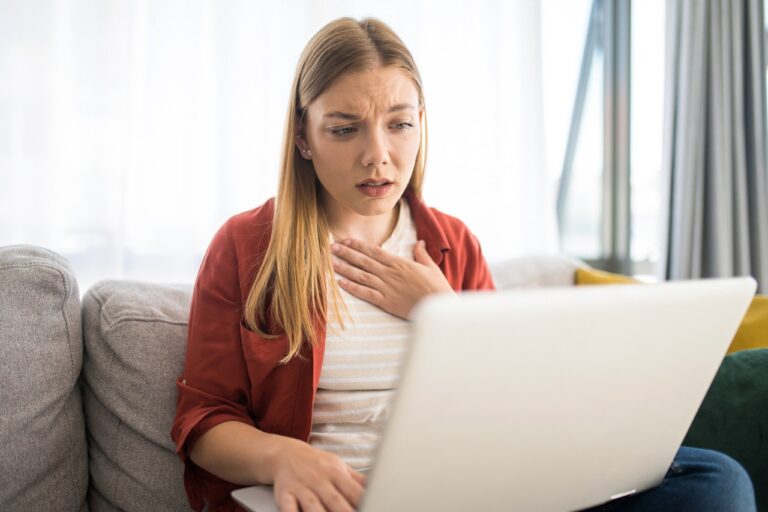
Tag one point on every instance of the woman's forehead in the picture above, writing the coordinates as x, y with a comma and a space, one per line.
383, 88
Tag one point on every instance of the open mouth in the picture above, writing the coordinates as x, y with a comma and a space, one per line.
375, 183
376, 189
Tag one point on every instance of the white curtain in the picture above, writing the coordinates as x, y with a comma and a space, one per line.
130, 130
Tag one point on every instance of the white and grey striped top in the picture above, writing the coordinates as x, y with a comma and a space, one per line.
361, 367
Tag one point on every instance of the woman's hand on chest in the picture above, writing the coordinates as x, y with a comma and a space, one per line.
388, 281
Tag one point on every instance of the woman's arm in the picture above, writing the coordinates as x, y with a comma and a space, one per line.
215, 430
239, 453
301, 474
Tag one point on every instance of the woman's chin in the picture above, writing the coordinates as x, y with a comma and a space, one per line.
378, 206
380, 209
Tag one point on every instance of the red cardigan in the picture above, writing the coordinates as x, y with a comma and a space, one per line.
231, 373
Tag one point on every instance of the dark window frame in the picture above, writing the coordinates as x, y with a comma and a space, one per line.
609, 32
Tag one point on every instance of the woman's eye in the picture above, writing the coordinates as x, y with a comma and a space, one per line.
404, 126
347, 130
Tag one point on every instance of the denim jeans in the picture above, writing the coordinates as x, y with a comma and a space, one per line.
697, 481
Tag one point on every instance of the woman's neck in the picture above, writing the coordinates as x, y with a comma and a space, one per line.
375, 229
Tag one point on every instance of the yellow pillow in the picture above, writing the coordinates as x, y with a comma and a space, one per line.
752, 333
594, 276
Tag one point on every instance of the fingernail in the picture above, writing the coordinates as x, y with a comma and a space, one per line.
335, 248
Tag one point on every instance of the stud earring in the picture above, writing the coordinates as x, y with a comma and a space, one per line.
307, 153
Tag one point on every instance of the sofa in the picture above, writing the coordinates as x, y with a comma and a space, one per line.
87, 386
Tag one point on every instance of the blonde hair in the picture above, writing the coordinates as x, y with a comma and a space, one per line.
289, 291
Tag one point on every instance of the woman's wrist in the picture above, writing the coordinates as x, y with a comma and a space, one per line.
278, 451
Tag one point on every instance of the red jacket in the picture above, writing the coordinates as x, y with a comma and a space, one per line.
231, 373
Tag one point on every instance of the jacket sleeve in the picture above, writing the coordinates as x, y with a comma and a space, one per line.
214, 386
477, 276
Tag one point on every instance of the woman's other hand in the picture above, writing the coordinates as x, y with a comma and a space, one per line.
312, 480
392, 283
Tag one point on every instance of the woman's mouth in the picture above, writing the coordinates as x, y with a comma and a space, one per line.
375, 190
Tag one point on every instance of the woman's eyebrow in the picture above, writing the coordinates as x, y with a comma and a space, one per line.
402, 106
355, 117
342, 115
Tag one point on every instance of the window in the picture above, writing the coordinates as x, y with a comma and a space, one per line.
610, 186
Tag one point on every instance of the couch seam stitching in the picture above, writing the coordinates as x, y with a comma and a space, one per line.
110, 324
66, 296
114, 322
115, 478
39, 262
147, 319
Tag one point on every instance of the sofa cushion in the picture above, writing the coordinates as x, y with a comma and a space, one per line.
43, 461
733, 418
135, 338
534, 272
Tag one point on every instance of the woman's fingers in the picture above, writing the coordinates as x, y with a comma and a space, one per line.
420, 254
287, 503
309, 501
361, 256
357, 275
325, 499
359, 477
328, 499
388, 287
312, 480
354, 257
374, 252
333, 500
375, 297
351, 487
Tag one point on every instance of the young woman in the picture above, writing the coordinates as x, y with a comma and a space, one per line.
299, 315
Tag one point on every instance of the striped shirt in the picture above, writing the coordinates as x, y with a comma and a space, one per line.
361, 366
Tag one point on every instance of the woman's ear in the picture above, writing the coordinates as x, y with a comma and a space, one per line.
301, 140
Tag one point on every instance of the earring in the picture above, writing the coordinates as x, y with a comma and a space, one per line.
307, 153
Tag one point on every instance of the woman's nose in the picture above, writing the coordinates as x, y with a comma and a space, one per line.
376, 152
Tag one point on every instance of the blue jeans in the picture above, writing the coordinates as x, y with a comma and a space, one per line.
698, 480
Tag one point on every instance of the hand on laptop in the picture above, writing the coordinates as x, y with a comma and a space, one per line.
388, 281
311, 480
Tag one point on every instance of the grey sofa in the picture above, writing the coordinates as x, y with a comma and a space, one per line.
87, 388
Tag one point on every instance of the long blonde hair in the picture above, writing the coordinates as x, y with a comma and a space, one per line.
289, 291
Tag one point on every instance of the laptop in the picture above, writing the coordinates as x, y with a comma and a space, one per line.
546, 399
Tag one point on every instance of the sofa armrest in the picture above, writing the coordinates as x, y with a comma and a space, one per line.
535, 272
42, 429
733, 418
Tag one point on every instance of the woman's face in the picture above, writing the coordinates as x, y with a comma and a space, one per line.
364, 126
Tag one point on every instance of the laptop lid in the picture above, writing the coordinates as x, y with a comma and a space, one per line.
550, 399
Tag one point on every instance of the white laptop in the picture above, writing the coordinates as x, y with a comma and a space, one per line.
548, 399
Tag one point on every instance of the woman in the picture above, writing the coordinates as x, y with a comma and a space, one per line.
289, 372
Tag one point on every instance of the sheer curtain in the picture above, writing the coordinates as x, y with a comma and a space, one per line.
131, 130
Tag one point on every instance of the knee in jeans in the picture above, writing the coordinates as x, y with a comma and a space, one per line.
730, 476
